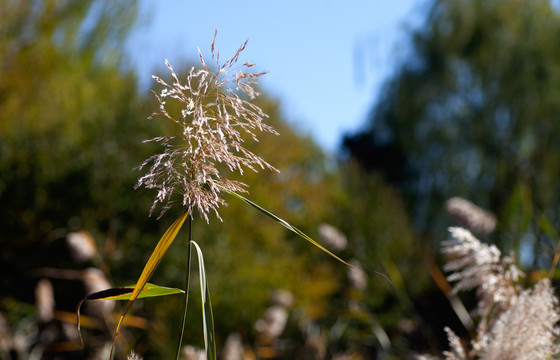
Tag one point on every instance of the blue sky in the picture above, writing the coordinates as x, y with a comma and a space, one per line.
326, 60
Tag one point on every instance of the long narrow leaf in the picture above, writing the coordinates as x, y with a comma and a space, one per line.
296, 230
286, 225
124, 293
207, 316
162, 246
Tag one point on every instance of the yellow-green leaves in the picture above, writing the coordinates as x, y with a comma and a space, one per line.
153, 261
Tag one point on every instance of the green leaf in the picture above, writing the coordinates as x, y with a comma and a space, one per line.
207, 316
162, 246
124, 293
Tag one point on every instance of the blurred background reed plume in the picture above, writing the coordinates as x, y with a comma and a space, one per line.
514, 322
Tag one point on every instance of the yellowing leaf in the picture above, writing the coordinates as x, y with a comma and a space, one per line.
162, 246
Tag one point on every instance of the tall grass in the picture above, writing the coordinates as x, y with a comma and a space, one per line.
212, 116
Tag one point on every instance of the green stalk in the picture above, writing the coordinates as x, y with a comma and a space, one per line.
187, 283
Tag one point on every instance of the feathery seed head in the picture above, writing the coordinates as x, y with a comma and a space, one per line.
515, 323
216, 116
480, 266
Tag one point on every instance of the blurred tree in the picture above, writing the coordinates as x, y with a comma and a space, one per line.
68, 133
64, 109
473, 112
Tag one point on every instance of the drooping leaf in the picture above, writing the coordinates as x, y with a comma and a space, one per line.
285, 224
207, 316
162, 246
296, 230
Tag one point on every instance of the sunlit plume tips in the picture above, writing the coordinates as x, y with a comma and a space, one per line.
213, 115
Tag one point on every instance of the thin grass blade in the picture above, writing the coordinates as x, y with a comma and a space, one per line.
286, 225
187, 288
207, 316
296, 230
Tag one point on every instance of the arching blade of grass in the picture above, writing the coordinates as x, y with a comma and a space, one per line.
286, 225
124, 293
296, 230
207, 316
162, 246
